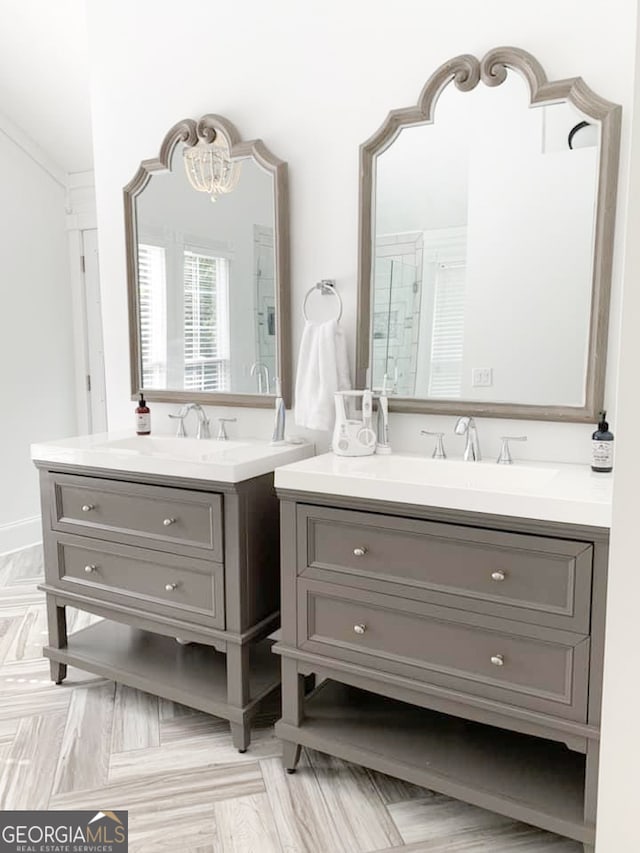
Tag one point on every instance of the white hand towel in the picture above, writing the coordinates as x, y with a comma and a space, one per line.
323, 369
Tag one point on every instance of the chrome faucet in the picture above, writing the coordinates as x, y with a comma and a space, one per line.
467, 426
203, 421
261, 369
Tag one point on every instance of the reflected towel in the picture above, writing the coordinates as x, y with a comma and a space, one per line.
323, 369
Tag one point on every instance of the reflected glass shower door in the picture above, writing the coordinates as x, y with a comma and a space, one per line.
396, 315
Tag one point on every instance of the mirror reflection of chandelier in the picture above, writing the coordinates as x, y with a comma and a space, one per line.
209, 167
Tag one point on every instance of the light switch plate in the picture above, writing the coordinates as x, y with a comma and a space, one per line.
482, 377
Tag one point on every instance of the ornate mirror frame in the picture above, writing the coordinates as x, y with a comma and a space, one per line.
191, 132
466, 72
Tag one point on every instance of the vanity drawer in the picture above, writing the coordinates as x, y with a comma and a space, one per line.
533, 579
545, 671
149, 580
177, 520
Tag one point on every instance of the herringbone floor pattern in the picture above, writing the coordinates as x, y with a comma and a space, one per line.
91, 744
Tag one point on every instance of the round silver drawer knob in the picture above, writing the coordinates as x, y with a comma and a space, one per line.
498, 576
359, 629
170, 587
87, 507
89, 569
359, 552
169, 521
497, 660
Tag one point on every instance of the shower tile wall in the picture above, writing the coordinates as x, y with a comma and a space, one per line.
397, 297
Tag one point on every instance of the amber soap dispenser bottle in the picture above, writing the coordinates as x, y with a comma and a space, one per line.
143, 417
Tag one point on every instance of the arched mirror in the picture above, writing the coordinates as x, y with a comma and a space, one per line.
486, 232
208, 269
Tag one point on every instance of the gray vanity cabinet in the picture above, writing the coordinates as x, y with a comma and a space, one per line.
459, 651
164, 559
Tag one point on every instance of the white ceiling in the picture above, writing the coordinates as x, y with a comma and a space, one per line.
44, 77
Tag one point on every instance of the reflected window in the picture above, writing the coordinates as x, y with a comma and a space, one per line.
447, 335
206, 322
152, 278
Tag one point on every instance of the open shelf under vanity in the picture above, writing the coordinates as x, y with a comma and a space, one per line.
160, 557
192, 674
527, 778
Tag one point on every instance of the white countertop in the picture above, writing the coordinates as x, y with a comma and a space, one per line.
197, 459
572, 494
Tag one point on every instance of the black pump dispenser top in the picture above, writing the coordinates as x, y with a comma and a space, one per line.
142, 402
603, 426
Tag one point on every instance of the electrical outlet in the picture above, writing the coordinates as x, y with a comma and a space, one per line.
482, 377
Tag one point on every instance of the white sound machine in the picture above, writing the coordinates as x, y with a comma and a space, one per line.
353, 435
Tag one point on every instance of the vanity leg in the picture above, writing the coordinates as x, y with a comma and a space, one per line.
238, 691
57, 623
293, 687
290, 755
591, 787
58, 671
293, 692
241, 735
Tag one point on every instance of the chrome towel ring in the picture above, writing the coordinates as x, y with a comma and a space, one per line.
327, 287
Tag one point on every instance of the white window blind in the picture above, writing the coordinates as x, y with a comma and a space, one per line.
206, 322
152, 287
447, 339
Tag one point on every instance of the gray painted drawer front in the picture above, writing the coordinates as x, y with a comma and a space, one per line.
139, 577
176, 520
527, 578
545, 671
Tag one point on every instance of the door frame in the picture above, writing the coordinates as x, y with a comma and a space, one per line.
81, 217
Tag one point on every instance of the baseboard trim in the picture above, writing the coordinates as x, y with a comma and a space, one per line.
20, 534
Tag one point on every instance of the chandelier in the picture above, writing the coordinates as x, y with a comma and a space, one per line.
209, 167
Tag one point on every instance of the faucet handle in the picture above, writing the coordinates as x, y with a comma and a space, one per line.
222, 432
504, 457
438, 450
180, 416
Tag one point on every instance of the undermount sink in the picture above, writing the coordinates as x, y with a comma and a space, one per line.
549, 491
191, 449
230, 461
454, 474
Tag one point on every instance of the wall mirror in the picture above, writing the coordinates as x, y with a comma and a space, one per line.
486, 231
208, 269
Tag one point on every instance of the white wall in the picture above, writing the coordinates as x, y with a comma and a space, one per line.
529, 249
314, 80
44, 80
36, 334
620, 750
